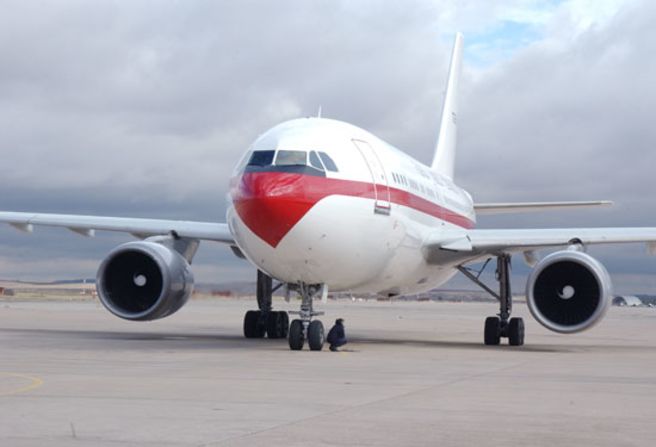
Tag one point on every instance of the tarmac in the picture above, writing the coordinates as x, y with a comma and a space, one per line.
414, 374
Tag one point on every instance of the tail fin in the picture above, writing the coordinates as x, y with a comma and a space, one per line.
445, 151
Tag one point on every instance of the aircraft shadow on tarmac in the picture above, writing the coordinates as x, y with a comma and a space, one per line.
192, 341
450, 344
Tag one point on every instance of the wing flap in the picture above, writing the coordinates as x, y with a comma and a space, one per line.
87, 225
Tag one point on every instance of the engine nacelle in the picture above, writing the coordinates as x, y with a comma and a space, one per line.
144, 281
568, 291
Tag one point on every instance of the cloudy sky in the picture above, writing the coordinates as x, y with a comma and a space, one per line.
142, 108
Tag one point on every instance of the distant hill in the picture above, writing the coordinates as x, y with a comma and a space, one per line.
53, 283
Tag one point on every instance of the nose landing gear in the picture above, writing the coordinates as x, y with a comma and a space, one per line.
304, 328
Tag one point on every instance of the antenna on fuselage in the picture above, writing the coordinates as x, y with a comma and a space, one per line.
445, 150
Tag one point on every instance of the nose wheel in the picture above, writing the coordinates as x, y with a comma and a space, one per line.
296, 335
314, 333
305, 328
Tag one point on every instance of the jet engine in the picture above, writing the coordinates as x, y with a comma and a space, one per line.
144, 281
568, 291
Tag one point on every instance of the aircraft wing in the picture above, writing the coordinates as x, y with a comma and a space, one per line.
141, 228
470, 244
526, 207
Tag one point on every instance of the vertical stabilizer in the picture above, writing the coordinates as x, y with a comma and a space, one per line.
445, 151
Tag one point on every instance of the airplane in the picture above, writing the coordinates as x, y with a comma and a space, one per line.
318, 204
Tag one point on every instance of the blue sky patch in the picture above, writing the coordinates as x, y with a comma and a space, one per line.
500, 42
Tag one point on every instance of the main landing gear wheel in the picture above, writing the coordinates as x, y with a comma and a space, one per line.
492, 331
516, 332
296, 335
277, 324
265, 321
253, 327
316, 335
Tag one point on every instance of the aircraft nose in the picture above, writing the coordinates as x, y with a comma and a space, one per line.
270, 203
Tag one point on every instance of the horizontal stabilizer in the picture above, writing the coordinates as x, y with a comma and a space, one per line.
529, 207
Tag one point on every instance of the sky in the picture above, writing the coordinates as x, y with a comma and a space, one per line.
142, 108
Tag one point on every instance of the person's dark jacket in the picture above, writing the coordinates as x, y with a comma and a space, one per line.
336, 334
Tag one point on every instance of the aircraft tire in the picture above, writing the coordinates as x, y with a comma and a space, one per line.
492, 333
516, 332
296, 335
316, 335
252, 326
285, 323
273, 321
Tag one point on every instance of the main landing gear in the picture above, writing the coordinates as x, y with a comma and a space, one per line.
303, 327
500, 326
257, 323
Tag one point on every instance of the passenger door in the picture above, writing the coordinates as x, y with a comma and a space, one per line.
382, 203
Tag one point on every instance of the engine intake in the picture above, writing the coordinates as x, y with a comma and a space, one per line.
144, 281
568, 291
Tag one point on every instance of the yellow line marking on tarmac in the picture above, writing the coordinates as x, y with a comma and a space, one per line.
35, 382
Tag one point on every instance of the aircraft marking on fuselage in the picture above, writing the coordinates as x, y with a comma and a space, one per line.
272, 203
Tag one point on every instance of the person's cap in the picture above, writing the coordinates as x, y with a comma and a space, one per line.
339, 321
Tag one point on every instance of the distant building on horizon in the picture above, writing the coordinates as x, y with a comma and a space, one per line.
627, 300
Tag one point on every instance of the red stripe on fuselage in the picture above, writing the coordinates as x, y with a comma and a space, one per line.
271, 203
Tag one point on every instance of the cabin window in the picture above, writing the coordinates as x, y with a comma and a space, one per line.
261, 158
328, 162
314, 161
291, 158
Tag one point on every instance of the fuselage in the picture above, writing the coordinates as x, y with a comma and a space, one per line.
321, 201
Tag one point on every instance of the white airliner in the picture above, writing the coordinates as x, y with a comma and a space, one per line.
319, 205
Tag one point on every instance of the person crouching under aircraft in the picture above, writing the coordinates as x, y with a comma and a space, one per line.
337, 336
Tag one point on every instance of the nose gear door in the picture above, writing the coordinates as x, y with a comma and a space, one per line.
382, 198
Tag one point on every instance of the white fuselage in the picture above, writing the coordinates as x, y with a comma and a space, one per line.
352, 215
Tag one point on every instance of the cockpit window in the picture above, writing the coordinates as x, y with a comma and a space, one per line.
328, 162
314, 161
291, 158
261, 158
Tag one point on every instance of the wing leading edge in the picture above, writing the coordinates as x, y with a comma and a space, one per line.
142, 228
471, 244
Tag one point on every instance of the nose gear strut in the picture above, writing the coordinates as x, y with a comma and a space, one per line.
303, 327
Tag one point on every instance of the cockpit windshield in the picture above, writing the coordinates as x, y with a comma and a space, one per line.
328, 162
261, 158
291, 158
